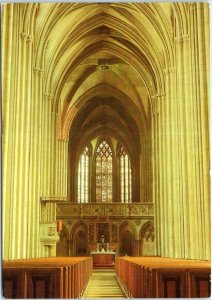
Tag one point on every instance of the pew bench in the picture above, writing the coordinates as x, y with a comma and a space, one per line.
53, 277
157, 277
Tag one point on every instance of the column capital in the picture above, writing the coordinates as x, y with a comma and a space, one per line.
55, 114
186, 38
38, 70
181, 39
26, 37
154, 105
169, 70
63, 140
156, 96
161, 95
48, 96
192, 5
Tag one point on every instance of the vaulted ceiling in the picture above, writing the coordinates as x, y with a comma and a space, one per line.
103, 63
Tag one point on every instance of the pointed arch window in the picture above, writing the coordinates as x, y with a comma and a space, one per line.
104, 172
125, 176
83, 176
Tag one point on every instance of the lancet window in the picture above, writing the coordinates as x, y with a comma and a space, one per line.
125, 176
104, 172
83, 176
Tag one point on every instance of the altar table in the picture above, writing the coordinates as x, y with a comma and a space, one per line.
106, 259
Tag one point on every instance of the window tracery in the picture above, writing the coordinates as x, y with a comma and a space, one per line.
104, 170
97, 185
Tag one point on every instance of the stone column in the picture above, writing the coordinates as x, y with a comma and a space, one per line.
160, 164
35, 170
46, 143
200, 38
16, 127
53, 141
156, 166
9, 38
62, 167
190, 160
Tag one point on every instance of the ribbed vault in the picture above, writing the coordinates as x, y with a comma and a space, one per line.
126, 46
103, 115
104, 66
133, 74
103, 71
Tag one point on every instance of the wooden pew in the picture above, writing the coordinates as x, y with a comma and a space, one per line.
54, 277
199, 283
33, 282
156, 277
14, 283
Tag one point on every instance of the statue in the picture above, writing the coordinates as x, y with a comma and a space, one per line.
102, 239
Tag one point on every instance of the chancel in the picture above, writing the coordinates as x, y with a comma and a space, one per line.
105, 157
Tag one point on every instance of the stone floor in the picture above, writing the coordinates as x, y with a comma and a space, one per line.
104, 284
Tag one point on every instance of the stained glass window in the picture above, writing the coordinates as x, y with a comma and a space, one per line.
83, 176
125, 176
104, 168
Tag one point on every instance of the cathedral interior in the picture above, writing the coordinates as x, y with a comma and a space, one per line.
105, 130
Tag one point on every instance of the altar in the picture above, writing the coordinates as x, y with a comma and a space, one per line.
103, 259
104, 254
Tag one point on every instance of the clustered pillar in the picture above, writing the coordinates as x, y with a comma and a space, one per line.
34, 158
181, 156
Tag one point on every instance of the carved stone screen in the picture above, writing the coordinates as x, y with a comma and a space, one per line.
104, 168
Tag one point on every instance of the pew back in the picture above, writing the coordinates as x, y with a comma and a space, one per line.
156, 277
46, 277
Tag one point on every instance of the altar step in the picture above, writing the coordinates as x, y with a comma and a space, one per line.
104, 284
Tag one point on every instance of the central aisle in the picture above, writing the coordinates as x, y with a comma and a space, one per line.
104, 284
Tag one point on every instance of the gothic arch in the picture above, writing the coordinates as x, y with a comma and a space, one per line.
84, 27
100, 21
79, 237
120, 121
147, 231
147, 238
127, 238
78, 226
98, 91
127, 226
181, 17
134, 61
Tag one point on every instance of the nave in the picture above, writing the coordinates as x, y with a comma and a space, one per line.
106, 149
105, 129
